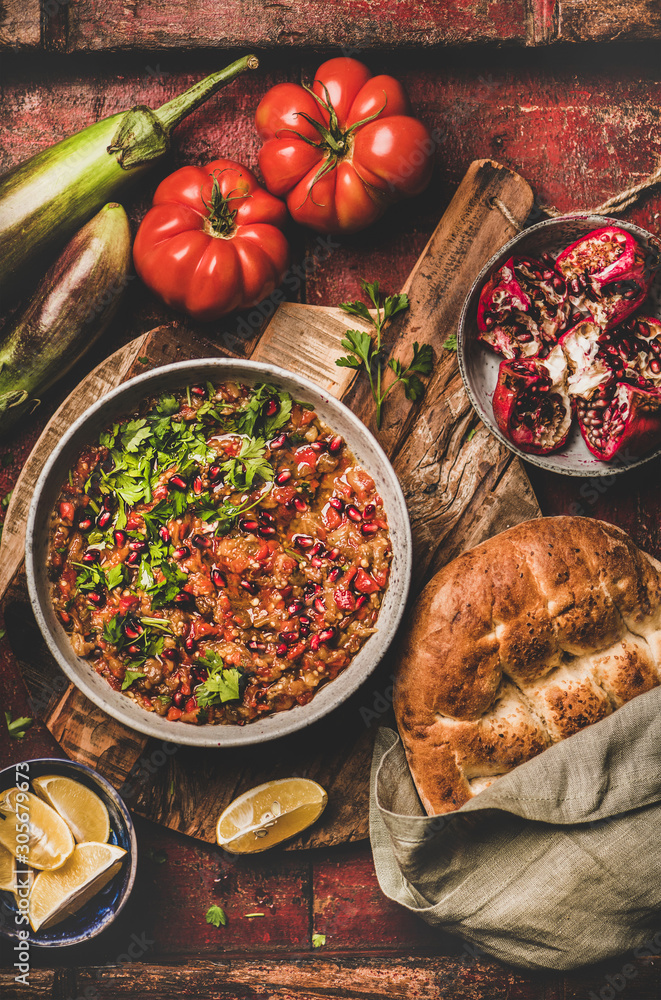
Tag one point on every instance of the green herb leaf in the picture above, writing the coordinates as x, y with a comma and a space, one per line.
158, 856
17, 728
451, 343
115, 576
216, 916
129, 677
221, 685
318, 940
134, 433
143, 360
112, 630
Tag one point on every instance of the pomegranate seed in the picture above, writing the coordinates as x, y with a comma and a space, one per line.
133, 558
120, 539
177, 483
132, 628
198, 485
305, 621
104, 519
311, 590
283, 477
317, 446
181, 553
317, 549
353, 512
289, 505
360, 600
255, 646
336, 503
278, 442
315, 643
369, 511
189, 644
271, 407
267, 531
218, 578
288, 637
170, 654
328, 635
215, 474
250, 527
335, 445
281, 650
97, 599
133, 650
369, 529
198, 390
201, 541
137, 545
316, 562
300, 504
91, 556
303, 541
285, 592
294, 608
178, 699
164, 535
335, 574
250, 586
655, 366
333, 554
109, 501
266, 518
183, 597
85, 524
319, 605
304, 631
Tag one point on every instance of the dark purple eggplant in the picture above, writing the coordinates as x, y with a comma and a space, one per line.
70, 309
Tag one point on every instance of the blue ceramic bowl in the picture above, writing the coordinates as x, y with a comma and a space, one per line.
100, 911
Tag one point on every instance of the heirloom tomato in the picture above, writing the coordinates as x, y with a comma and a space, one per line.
344, 149
212, 241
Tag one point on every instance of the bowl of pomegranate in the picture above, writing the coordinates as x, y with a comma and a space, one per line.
559, 345
218, 553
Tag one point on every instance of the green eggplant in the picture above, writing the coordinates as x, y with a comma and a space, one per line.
46, 199
72, 306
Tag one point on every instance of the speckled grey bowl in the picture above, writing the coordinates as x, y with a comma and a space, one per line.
479, 364
123, 401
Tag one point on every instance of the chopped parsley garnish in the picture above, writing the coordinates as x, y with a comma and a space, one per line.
249, 463
129, 677
17, 728
221, 685
167, 589
216, 916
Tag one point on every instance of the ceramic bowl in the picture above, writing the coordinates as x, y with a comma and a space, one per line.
479, 364
123, 401
100, 911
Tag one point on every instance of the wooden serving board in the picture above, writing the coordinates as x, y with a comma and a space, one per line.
461, 487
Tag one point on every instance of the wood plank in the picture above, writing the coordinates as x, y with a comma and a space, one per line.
20, 24
305, 978
93, 25
349, 25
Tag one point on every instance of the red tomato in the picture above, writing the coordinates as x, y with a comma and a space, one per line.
212, 241
345, 151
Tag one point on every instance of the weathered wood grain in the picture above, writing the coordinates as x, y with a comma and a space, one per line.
88, 25
352, 26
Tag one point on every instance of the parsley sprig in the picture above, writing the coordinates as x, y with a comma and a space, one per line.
366, 351
221, 685
17, 728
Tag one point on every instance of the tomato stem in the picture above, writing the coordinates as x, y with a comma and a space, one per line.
221, 214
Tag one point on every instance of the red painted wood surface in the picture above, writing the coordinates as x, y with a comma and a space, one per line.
353, 25
578, 124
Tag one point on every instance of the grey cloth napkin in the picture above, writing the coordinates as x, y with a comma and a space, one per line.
556, 865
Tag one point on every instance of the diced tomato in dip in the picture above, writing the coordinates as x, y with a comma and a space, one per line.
219, 555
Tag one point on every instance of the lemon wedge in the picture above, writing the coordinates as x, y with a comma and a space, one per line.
57, 894
81, 808
48, 838
270, 813
7, 870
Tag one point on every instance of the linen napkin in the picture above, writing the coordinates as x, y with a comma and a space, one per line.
556, 865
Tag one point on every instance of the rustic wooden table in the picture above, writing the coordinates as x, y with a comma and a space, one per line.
566, 93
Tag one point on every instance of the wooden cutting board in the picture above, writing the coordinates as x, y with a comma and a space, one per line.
461, 487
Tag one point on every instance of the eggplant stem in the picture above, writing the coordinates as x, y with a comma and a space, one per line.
170, 114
